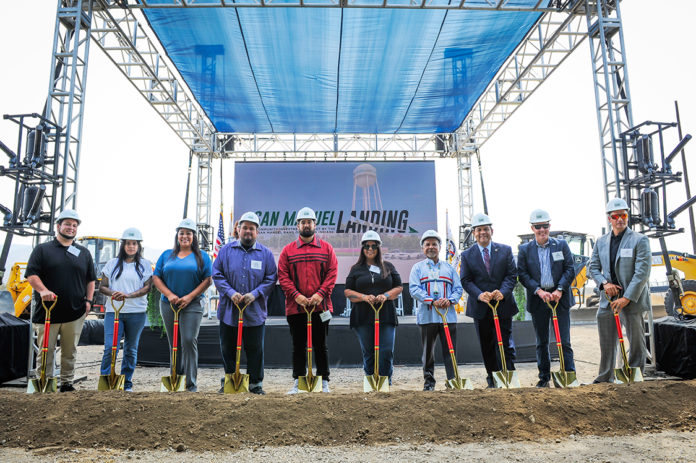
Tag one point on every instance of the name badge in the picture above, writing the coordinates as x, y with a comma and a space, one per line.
73, 250
375, 269
626, 252
325, 316
256, 264
558, 255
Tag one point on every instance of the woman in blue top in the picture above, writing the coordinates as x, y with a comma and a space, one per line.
128, 278
182, 275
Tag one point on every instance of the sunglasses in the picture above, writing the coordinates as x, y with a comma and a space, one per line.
540, 226
618, 216
371, 246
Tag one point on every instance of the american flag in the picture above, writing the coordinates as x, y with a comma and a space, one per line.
220, 238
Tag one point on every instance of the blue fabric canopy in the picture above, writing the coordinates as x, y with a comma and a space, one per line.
330, 70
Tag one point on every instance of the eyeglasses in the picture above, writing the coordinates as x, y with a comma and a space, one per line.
371, 246
539, 226
623, 215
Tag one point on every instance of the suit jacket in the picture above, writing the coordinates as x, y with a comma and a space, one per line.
562, 272
632, 267
476, 280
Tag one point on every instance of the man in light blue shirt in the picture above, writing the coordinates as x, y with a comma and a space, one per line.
434, 284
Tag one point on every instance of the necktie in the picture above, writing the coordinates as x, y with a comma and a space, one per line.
487, 260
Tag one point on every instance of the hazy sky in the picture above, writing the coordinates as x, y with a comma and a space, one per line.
133, 167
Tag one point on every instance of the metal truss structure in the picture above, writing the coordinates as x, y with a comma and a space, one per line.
119, 29
491, 5
203, 200
612, 94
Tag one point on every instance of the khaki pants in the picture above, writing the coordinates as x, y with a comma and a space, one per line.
69, 337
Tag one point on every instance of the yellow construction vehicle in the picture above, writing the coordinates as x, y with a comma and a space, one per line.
684, 263
20, 290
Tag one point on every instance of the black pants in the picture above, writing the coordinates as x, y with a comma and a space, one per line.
485, 329
320, 353
252, 341
429, 333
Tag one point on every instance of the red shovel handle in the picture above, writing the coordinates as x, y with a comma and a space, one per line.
115, 342
240, 323
618, 327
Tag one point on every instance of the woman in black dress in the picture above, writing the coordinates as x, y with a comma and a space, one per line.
374, 281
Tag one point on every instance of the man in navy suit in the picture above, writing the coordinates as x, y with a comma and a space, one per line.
488, 274
545, 269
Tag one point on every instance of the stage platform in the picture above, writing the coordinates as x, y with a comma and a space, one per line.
344, 349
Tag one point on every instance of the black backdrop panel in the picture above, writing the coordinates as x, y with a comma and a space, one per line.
14, 345
675, 347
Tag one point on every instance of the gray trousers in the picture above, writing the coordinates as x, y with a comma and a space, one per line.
609, 341
189, 325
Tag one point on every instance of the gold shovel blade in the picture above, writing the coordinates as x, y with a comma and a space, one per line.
35, 386
309, 383
563, 379
111, 382
376, 383
506, 379
458, 383
173, 383
236, 383
622, 376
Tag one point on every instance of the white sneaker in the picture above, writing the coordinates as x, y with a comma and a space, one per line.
325, 386
294, 389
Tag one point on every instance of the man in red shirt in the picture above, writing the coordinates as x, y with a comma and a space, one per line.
307, 270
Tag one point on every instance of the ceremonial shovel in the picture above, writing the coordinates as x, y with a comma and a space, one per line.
174, 382
375, 382
626, 374
456, 382
43, 384
237, 382
112, 380
309, 383
561, 378
505, 378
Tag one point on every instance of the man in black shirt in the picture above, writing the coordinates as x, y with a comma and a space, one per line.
64, 270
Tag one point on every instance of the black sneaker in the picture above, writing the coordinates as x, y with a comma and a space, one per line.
257, 390
543, 383
67, 387
428, 387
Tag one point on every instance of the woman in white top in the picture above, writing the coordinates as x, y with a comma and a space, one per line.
128, 278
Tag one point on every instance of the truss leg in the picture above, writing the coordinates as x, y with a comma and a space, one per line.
203, 192
612, 95
466, 204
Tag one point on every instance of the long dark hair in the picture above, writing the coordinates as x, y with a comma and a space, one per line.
122, 256
194, 247
382, 264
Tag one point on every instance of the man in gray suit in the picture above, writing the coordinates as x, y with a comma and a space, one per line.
620, 266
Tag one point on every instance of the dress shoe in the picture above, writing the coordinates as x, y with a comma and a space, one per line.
428, 387
67, 387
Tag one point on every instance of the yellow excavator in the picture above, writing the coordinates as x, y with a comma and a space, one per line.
102, 249
685, 263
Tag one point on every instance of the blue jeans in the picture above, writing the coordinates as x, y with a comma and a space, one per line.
541, 322
366, 336
130, 325
252, 341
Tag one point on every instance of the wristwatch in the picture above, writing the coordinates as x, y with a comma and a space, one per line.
91, 301
386, 295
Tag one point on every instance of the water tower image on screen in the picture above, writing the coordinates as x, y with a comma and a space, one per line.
366, 193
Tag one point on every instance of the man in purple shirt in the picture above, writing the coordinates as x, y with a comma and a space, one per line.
244, 273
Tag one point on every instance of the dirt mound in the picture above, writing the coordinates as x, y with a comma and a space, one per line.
216, 422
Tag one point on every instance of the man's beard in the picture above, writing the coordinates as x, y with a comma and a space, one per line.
247, 242
306, 233
66, 237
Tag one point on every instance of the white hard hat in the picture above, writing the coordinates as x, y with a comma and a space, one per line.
306, 213
430, 234
370, 235
479, 220
132, 234
616, 204
189, 224
539, 216
68, 214
250, 217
